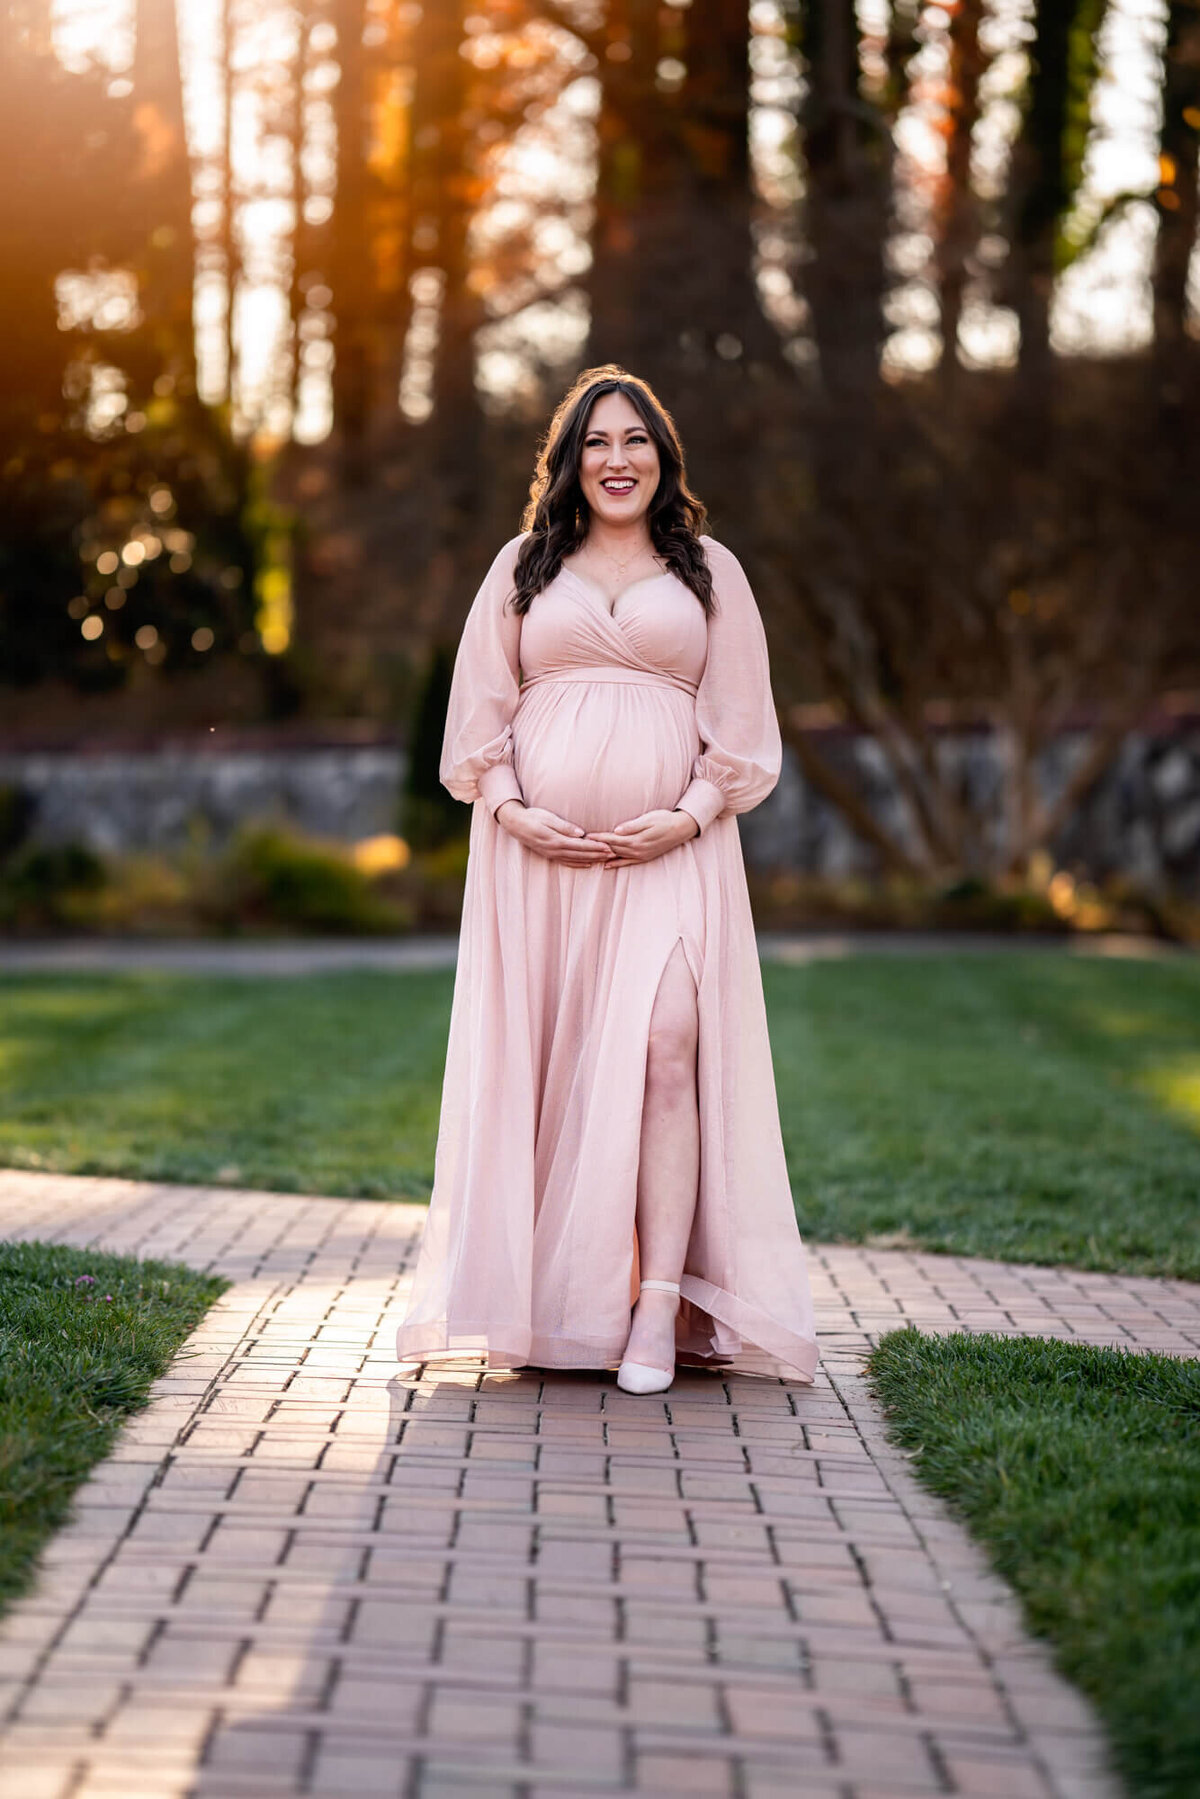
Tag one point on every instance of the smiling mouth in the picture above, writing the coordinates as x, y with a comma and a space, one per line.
619, 484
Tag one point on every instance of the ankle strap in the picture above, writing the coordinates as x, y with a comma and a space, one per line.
662, 1286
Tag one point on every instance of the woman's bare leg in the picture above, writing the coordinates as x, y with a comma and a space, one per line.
669, 1164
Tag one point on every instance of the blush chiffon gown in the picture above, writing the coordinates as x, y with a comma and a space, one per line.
530, 1254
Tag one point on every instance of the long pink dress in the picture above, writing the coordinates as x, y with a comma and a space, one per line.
530, 1252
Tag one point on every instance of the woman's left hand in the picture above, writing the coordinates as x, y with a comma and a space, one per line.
642, 839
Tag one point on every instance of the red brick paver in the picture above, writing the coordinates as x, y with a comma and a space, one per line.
303, 1572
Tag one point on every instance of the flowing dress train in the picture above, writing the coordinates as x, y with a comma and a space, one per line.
530, 1252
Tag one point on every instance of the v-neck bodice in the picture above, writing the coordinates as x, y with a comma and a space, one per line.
612, 603
656, 625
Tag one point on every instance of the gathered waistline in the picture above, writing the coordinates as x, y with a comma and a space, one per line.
612, 672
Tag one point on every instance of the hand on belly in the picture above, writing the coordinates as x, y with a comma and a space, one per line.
646, 838
555, 839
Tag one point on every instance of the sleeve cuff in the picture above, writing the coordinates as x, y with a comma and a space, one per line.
704, 800
497, 784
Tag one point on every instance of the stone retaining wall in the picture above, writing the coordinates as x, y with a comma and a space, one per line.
1143, 820
117, 802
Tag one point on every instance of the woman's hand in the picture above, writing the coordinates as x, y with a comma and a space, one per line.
642, 839
548, 835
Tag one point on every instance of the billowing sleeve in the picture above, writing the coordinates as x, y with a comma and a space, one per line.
740, 750
477, 751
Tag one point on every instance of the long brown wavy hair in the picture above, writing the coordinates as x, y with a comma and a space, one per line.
557, 515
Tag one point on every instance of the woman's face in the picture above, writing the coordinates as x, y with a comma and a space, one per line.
618, 466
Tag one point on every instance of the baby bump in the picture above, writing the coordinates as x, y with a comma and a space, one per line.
601, 753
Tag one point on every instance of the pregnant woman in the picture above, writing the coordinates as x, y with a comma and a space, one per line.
610, 1187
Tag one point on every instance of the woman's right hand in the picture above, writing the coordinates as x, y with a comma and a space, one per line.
548, 835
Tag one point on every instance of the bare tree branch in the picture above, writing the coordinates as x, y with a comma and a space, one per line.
842, 794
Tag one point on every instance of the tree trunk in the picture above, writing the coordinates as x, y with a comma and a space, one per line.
956, 215
442, 209
1177, 194
1047, 166
673, 289
635, 155
168, 264
849, 171
351, 281
230, 260
299, 230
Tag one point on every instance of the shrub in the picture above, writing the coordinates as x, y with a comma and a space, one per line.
786, 900
17, 808
429, 817
47, 887
142, 895
975, 904
272, 877
431, 887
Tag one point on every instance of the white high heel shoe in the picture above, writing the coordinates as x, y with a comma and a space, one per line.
636, 1377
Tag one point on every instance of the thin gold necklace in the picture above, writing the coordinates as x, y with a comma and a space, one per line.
622, 567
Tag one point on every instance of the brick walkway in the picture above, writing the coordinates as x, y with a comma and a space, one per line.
303, 1574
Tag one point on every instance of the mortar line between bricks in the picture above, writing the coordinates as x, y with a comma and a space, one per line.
832, 1640
426, 1554
157, 1690
186, 1454
732, 1511
623, 1458
265, 1514
163, 1693
374, 1729
694, 1668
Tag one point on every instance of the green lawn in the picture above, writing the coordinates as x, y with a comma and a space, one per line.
1079, 1471
82, 1337
1033, 1106
1022, 1104
322, 1084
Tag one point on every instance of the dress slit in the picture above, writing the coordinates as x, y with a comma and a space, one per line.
678, 944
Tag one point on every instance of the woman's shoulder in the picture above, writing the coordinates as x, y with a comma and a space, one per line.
721, 559
504, 563
508, 552
718, 552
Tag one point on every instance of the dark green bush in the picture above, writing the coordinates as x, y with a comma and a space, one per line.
429, 817
17, 808
979, 905
273, 878
41, 888
57, 869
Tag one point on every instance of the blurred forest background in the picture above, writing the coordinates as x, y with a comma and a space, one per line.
290, 287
